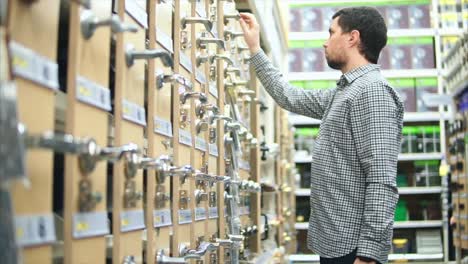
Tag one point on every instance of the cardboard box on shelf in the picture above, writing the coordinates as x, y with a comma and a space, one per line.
424, 86
311, 19
295, 20
400, 57
419, 16
327, 17
423, 53
397, 17
405, 87
313, 59
295, 57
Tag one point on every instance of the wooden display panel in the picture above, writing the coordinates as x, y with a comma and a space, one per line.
36, 31
183, 139
130, 125
213, 91
279, 178
160, 139
221, 165
200, 153
255, 210
87, 58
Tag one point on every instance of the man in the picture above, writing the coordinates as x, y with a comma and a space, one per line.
353, 187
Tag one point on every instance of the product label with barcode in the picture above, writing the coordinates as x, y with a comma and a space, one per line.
93, 94
90, 224
185, 62
213, 212
133, 112
32, 230
185, 137
185, 216
164, 39
162, 218
200, 144
30, 65
200, 213
214, 150
132, 220
137, 12
162, 126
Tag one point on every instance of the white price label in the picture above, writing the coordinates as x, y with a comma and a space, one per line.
200, 144
133, 112
214, 150
90, 224
30, 65
185, 62
200, 213
213, 212
32, 230
162, 218
164, 39
213, 89
92, 93
185, 137
162, 126
137, 12
132, 220
200, 77
185, 216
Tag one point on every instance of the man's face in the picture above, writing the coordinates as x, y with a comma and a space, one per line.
335, 46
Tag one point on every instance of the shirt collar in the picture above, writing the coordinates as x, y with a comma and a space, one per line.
353, 74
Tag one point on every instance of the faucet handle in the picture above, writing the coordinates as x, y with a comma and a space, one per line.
162, 78
235, 16
161, 258
193, 20
89, 24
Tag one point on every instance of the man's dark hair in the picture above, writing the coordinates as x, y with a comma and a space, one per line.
371, 27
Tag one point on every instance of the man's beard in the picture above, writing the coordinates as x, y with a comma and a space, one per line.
335, 64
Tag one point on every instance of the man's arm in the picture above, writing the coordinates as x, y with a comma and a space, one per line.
376, 130
308, 103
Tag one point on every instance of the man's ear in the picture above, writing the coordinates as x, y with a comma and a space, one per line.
354, 38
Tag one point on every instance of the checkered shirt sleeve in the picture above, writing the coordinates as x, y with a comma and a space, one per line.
374, 131
310, 103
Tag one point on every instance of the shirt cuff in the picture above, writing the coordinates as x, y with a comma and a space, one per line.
258, 58
366, 259
373, 250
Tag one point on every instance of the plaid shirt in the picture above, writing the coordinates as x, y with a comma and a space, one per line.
353, 190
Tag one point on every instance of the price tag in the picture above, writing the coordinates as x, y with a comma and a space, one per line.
213, 89
185, 137
33, 230
162, 126
164, 39
90, 224
200, 213
137, 12
200, 9
162, 218
185, 216
214, 150
30, 65
185, 62
212, 212
133, 112
92, 93
132, 220
200, 144
200, 77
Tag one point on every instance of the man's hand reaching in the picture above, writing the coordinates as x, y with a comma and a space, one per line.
251, 30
